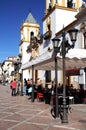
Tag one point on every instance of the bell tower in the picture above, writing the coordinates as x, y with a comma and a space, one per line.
29, 28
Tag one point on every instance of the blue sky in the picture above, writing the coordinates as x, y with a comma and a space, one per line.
12, 14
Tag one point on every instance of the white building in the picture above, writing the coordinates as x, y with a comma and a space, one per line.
8, 69
59, 15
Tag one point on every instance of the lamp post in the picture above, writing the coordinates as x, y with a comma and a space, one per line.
22, 84
65, 47
56, 49
17, 66
32, 83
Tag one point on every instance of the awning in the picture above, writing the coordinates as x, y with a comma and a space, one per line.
75, 58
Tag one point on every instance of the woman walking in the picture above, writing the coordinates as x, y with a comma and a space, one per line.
14, 85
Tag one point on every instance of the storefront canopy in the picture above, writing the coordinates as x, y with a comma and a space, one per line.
75, 58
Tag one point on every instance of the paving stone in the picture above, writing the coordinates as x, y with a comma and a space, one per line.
19, 113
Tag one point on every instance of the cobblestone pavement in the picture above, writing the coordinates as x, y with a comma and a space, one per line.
19, 113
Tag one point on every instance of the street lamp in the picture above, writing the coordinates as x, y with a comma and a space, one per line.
64, 49
32, 83
56, 50
73, 35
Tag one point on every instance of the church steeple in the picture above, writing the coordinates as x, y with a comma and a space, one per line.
30, 25
30, 19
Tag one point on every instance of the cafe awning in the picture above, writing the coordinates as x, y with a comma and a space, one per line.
75, 58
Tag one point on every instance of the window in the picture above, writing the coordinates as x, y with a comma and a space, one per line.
83, 30
31, 35
50, 5
69, 3
85, 40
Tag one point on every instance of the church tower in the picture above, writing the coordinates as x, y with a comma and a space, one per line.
28, 28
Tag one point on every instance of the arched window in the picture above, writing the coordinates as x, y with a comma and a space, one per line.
31, 35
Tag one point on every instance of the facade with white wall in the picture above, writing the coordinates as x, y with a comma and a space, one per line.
58, 14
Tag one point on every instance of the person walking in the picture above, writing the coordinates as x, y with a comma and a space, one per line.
25, 87
14, 85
